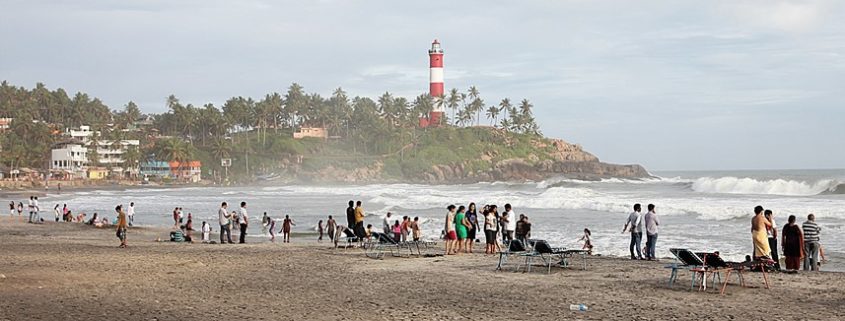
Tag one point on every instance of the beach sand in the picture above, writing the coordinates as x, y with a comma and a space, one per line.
67, 271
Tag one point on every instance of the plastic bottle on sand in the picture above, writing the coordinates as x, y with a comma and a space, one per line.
578, 307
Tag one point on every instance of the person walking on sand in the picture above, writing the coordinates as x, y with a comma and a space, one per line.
121, 226
792, 241
633, 225
225, 223
759, 224
451, 235
772, 234
385, 224
243, 221
812, 232
651, 224
130, 213
286, 226
350, 215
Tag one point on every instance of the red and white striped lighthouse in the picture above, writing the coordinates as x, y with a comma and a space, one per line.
435, 56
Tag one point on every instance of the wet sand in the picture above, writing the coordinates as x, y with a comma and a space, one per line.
68, 271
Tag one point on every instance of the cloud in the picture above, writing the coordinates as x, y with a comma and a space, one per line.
789, 16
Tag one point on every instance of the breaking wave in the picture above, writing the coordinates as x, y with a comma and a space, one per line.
735, 185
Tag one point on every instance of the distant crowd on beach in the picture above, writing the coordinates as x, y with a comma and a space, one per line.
464, 226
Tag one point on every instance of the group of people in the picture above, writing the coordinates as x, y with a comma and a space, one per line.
462, 227
797, 242
634, 225
64, 214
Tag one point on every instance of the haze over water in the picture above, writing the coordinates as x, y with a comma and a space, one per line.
698, 210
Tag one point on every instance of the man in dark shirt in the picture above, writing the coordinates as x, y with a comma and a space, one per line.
350, 215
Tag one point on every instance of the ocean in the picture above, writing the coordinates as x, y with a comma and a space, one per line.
701, 210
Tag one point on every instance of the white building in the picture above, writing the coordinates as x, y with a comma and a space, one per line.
83, 134
70, 157
112, 154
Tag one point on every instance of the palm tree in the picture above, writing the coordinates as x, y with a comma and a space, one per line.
493, 115
504, 107
453, 101
174, 150
131, 160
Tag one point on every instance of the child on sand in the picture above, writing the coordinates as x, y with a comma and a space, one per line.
286, 225
272, 226
369, 231
206, 231
588, 244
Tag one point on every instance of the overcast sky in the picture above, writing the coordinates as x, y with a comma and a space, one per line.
666, 84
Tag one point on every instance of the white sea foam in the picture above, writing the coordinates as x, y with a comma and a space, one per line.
735, 185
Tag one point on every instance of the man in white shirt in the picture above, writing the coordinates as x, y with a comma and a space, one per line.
29, 208
223, 216
386, 224
36, 218
636, 229
651, 224
130, 213
243, 221
511, 226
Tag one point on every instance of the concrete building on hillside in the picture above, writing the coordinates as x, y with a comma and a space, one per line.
70, 157
316, 132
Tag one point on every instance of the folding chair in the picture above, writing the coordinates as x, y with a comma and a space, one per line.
514, 247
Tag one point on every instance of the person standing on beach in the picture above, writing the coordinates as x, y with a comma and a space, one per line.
811, 243
350, 215
321, 230
225, 226
772, 234
759, 224
406, 228
510, 228
20, 209
451, 236
121, 226
415, 229
490, 231
386, 223
792, 240
130, 213
56, 212
633, 225
265, 221
461, 225
36, 211
189, 229
359, 223
472, 216
65, 212
272, 228
206, 232
175, 216
286, 226
30, 208
651, 224
12, 208
331, 226
243, 221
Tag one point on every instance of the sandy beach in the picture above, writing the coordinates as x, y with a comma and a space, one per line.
70, 271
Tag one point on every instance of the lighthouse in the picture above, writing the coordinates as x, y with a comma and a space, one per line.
435, 89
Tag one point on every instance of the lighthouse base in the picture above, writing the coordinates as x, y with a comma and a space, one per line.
434, 119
